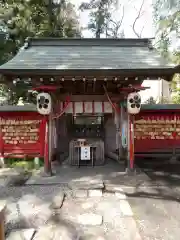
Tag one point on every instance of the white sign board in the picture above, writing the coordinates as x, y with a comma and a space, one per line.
85, 153
86, 107
124, 134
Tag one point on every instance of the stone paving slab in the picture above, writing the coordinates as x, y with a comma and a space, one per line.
35, 209
90, 219
56, 232
39, 180
29, 212
113, 188
123, 229
58, 200
12, 176
74, 175
80, 193
6, 175
126, 208
23, 234
87, 185
75, 183
5, 172
95, 193
92, 237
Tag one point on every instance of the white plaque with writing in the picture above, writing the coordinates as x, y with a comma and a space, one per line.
85, 153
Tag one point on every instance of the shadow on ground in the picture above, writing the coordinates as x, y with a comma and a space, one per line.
111, 173
164, 178
161, 171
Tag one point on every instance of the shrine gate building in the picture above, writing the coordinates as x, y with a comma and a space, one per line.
89, 80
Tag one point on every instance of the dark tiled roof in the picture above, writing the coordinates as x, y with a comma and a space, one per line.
15, 108
82, 54
160, 106
32, 108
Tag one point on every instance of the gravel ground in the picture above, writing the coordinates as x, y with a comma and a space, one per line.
154, 200
157, 208
157, 212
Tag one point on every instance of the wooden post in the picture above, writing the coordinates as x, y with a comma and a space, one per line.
2, 163
46, 150
50, 135
47, 165
2, 220
117, 124
130, 143
122, 132
124, 135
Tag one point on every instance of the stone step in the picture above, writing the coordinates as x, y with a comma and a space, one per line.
86, 185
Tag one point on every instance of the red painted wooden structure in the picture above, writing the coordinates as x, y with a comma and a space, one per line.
22, 134
77, 67
157, 130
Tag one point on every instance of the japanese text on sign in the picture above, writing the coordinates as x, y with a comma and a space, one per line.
20, 131
160, 128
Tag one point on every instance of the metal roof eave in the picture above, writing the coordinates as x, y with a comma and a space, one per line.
16, 108
49, 41
154, 107
145, 107
151, 73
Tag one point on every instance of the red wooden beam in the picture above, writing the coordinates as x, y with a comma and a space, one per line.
133, 88
47, 88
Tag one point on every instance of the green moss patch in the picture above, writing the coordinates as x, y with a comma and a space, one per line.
26, 164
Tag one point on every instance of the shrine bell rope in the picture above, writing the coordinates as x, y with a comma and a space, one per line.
112, 104
67, 102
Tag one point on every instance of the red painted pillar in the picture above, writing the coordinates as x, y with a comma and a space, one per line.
1, 148
46, 152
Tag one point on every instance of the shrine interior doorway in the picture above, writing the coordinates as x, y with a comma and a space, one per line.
98, 130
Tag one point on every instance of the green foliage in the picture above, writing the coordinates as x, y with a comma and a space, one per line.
23, 164
20, 19
151, 100
164, 100
167, 21
176, 99
100, 17
27, 164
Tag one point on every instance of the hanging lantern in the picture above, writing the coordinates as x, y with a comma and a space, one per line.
44, 103
134, 103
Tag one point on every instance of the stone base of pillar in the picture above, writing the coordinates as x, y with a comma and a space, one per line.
2, 163
37, 162
47, 174
174, 160
130, 171
47, 171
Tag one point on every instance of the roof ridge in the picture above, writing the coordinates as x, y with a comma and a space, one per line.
120, 42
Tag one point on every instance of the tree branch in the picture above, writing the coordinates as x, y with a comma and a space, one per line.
136, 19
117, 25
141, 31
164, 36
120, 23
